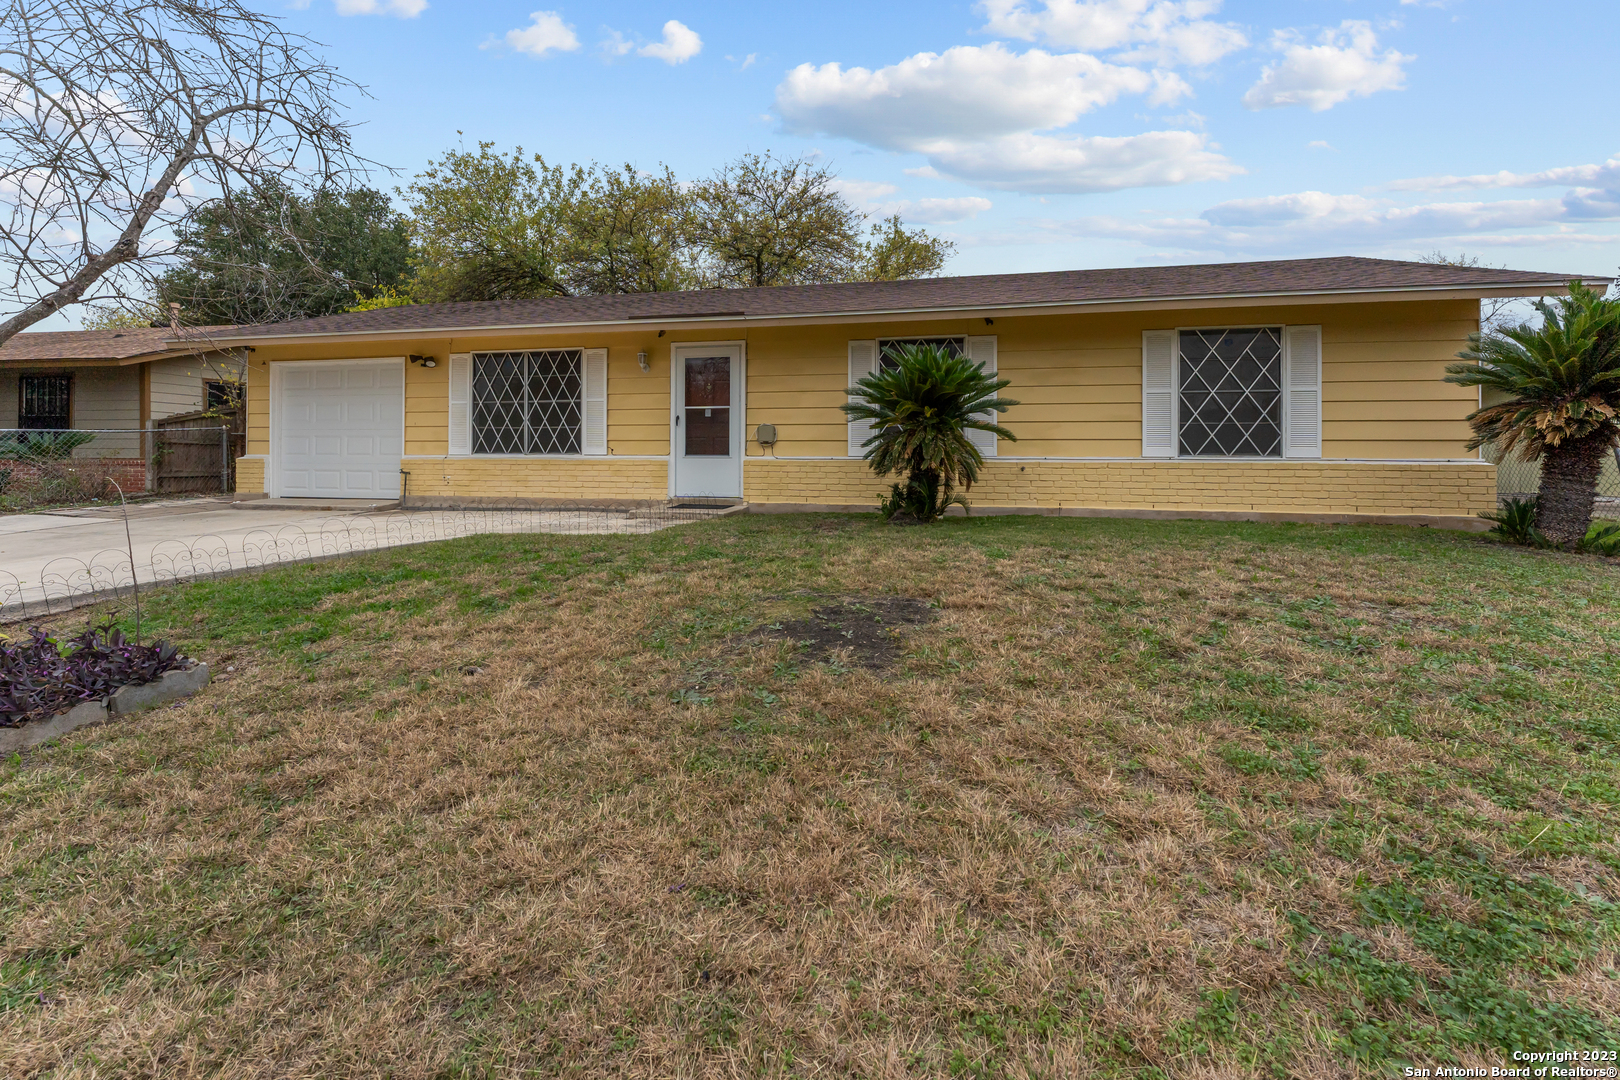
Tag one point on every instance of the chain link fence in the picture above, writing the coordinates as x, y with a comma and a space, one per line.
1517, 478
47, 468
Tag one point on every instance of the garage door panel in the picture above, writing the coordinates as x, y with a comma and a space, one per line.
340, 430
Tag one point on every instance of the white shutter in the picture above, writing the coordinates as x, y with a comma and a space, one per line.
1303, 360
862, 362
1159, 393
460, 403
595, 434
982, 350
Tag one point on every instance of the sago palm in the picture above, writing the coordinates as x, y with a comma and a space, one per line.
921, 407
1562, 385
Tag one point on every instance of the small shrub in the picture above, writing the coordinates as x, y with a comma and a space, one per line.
1603, 538
1515, 523
41, 675
42, 445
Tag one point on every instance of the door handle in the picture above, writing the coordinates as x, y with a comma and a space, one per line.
677, 420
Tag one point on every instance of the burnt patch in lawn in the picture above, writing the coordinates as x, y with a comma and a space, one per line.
870, 627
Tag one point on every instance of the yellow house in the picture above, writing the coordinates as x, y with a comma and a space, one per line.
1306, 389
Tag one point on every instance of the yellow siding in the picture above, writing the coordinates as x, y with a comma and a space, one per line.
1078, 381
1450, 489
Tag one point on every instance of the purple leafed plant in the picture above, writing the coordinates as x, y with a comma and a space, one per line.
41, 675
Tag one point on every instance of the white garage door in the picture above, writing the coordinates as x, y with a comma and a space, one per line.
340, 429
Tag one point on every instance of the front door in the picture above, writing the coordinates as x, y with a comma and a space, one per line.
707, 434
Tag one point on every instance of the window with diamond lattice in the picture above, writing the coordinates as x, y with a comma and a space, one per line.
527, 402
889, 348
1231, 393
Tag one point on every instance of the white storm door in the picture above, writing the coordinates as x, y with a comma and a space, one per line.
339, 429
706, 432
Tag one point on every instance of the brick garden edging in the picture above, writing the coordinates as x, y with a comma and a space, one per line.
170, 686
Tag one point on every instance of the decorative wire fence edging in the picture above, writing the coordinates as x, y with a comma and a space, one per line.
110, 575
1520, 479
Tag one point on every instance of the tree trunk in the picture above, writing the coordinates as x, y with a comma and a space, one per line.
1569, 476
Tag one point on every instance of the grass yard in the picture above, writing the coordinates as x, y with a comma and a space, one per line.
1131, 799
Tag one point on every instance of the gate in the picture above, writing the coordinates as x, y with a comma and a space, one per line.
196, 452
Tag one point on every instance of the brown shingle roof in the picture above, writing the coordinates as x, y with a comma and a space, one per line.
121, 344
1331, 275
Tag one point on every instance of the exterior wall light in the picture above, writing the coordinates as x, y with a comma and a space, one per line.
425, 361
641, 358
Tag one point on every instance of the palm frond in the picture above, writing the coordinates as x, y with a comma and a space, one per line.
1561, 380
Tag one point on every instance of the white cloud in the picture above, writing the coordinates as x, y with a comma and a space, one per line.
926, 172
1604, 175
975, 112
1319, 144
966, 92
546, 33
943, 211
1077, 164
863, 192
680, 44
1314, 221
614, 45
1345, 63
1155, 31
872, 196
405, 9
746, 63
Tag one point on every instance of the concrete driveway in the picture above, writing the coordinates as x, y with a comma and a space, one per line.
56, 544
55, 558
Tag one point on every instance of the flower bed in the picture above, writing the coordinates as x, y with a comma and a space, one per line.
41, 675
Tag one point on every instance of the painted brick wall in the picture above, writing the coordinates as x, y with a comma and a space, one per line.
494, 479
250, 475
1306, 487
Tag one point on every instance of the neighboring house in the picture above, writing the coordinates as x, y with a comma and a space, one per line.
117, 382
1303, 388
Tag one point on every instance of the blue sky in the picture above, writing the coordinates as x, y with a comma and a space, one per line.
1048, 134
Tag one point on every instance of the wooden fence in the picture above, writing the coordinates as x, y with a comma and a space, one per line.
196, 452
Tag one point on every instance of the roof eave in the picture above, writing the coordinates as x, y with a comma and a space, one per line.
1056, 307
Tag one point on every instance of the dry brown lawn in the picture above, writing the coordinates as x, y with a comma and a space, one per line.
1139, 799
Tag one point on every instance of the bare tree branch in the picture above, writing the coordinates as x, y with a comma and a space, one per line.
118, 118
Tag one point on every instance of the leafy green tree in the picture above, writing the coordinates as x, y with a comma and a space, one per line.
765, 221
895, 253
1561, 387
922, 406
627, 234
273, 253
491, 227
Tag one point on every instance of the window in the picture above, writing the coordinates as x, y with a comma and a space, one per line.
1231, 393
889, 347
527, 402
44, 402
708, 406
221, 395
